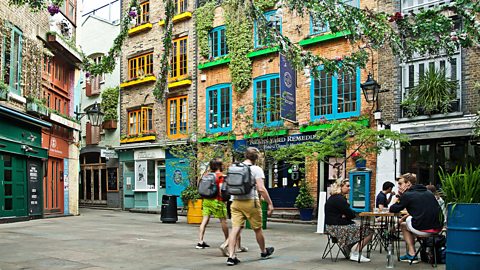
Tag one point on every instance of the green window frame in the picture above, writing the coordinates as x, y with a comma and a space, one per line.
12, 61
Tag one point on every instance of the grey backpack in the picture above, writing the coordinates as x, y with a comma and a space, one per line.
239, 179
208, 188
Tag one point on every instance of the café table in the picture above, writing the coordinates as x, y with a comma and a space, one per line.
388, 220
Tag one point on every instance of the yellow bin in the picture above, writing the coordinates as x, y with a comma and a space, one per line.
194, 212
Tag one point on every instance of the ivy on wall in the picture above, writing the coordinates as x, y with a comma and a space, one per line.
204, 16
110, 103
240, 42
265, 4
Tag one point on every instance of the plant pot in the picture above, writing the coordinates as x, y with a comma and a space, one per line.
463, 232
194, 212
109, 124
454, 106
3, 95
36, 109
306, 214
361, 163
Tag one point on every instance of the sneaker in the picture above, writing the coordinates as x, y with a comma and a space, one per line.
202, 245
354, 257
268, 253
242, 249
224, 249
232, 261
409, 258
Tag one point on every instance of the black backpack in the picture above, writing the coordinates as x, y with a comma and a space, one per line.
426, 253
239, 179
208, 188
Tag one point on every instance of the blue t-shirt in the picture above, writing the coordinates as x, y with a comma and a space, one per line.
381, 199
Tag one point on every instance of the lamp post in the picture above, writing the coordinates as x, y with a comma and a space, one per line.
371, 89
94, 114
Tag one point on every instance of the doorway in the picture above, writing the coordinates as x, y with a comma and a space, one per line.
13, 188
53, 187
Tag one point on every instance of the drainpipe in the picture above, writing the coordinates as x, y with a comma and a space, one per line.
120, 167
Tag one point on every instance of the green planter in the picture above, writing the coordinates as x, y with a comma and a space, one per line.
3, 95
36, 109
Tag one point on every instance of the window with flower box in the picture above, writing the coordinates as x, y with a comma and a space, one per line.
140, 121
219, 108
218, 42
273, 20
335, 96
140, 66
266, 94
177, 114
12, 60
181, 6
143, 13
179, 61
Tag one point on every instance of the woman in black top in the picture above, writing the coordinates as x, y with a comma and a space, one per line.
339, 221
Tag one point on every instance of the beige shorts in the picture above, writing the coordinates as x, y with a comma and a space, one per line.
243, 210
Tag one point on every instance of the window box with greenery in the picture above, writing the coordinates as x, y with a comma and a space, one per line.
461, 190
37, 107
3, 91
305, 201
109, 106
434, 94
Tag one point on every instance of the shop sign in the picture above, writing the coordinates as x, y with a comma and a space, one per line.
149, 154
288, 84
106, 153
274, 143
34, 187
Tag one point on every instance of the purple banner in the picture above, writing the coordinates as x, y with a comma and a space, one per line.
288, 84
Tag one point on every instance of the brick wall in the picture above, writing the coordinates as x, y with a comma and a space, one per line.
152, 40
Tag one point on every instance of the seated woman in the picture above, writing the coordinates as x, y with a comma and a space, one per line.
339, 223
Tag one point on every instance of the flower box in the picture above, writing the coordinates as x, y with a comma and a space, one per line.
147, 79
36, 109
139, 29
109, 124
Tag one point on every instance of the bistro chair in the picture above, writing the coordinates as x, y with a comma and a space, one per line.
331, 243
424, 245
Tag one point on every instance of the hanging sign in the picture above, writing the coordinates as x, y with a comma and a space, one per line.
288, 84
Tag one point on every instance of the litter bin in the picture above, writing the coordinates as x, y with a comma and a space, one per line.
264, 217
169, 209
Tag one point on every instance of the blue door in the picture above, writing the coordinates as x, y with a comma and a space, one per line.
177, 176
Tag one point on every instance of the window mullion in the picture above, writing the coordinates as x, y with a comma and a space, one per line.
219, 107
334, 79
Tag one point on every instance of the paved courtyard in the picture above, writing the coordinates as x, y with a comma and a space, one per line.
103, 239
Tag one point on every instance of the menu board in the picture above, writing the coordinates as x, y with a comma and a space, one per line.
34, 173
112, 179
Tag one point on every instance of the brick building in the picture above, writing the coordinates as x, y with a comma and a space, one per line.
224, 111
148, 127
39, 74
438, 140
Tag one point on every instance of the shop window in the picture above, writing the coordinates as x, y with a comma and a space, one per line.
274, 20
219, 108
218, 42
177, 114
143, 13
140, 121
179, 60
161, 174
266, 93
12, 60
140, 66
335, 96
181, 6
145, 175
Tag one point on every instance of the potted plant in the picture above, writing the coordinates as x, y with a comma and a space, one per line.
192, 199
3, 91
36, 106
360, 162
304, 202
434, 93
109, 105
461, 190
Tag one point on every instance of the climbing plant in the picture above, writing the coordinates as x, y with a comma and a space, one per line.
265, 4
240, 42
161, 85
204, 16
110, 103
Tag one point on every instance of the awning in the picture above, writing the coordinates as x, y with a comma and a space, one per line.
23, 117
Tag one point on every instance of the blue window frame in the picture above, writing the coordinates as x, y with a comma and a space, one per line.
219, 108
267, 101
12, 60
276, 22
217, 41
335, 97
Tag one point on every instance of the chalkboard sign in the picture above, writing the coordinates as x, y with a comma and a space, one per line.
112, 179
35, 175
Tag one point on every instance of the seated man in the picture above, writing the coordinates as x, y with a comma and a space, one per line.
423, 210
382, 200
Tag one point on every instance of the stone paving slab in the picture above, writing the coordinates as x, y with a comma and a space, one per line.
101, 239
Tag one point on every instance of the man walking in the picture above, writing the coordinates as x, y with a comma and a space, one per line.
248, 207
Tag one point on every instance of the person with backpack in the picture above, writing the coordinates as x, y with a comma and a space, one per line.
245, 182
213, 202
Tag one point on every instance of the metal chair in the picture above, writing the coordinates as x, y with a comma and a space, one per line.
424, 244
331, 243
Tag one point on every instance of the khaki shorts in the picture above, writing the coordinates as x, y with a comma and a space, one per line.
243, 210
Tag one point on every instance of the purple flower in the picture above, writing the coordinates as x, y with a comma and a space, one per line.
132, 13
87, 74
53, 9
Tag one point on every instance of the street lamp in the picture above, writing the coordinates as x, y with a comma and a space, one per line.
94, 114
371, 89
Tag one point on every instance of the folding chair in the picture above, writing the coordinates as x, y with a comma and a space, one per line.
331, 243
423, 240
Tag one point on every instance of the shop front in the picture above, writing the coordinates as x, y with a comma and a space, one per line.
21, 165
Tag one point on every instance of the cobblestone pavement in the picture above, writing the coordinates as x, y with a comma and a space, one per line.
100, 239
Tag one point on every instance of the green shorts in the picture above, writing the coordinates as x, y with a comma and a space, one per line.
214, 207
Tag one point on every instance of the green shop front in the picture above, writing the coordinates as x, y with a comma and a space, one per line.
21, 165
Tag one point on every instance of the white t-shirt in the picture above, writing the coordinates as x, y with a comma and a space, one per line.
257, 172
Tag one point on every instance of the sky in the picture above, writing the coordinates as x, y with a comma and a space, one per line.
93, 5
